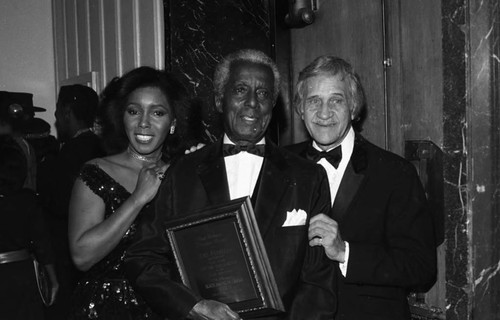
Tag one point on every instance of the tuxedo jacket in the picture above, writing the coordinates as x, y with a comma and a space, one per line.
304, 276
382, 212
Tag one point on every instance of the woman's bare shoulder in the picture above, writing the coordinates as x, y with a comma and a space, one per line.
108, 163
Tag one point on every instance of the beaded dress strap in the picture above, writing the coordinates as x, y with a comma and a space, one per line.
101, 183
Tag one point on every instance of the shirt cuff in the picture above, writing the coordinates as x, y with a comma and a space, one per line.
343, 265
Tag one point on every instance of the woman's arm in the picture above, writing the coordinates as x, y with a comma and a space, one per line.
91, 237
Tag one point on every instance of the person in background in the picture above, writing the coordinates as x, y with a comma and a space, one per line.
37, 132
241, 163
75, 114
139, 129
381, 232
16, 110
21, 231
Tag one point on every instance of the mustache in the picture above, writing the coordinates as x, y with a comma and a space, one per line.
324, 123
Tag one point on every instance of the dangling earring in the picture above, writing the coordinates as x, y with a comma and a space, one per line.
172, 129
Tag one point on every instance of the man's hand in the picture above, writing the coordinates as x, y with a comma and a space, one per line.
324, 231
194, 148
212, 310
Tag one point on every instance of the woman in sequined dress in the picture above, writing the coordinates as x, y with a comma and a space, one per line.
139, 124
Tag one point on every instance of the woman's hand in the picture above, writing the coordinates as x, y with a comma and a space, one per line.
148, 182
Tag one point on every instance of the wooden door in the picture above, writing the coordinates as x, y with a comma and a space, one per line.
358, 39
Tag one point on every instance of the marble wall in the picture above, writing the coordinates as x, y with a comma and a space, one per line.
471, 34
483, 111
200, 34
455, 160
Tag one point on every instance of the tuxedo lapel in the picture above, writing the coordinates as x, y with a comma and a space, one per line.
212, 173
347, 190
273, 184
351, 181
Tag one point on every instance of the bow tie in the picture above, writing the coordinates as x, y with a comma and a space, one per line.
231, 149
333, 156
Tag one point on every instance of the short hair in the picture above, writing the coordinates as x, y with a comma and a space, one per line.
113, 105
81, 100
221, 75
333, 66
13, 165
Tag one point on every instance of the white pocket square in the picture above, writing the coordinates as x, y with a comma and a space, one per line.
295, 218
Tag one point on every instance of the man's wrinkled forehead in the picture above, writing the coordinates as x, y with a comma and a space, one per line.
326, 83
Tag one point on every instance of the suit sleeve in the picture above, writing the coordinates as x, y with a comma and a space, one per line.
407, 255
315, 297
150, 265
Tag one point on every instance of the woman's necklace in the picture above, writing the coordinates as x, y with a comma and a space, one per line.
150, 159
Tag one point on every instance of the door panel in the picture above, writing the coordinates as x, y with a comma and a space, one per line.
357, 39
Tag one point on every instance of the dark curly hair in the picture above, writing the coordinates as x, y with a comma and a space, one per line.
113, 101
13, 165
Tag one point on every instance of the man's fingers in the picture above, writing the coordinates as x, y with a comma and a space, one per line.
194, 148
199, 146
321, 230
317, 232
232, 314
322, 218
190, 150
316, 242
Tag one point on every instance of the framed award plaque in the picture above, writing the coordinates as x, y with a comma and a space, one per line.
221, 256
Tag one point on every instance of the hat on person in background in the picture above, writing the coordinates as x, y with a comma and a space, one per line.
17, 106
78, 94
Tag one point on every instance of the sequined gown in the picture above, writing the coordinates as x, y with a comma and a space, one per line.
103, 292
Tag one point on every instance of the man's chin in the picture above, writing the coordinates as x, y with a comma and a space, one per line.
248, 137
322, 141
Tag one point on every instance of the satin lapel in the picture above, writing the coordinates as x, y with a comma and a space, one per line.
212, 173
273, 184
351, 181
347, 190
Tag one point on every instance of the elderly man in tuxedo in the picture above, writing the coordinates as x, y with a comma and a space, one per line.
381, 233
242, 163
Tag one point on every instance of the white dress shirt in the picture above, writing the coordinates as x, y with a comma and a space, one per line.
335, 177
242, 171
335, 174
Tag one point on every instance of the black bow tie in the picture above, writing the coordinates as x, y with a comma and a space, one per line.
333, 156
231, 149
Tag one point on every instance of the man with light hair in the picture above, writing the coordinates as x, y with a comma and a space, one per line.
381, 230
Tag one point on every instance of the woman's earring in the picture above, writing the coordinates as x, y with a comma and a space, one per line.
172, 129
